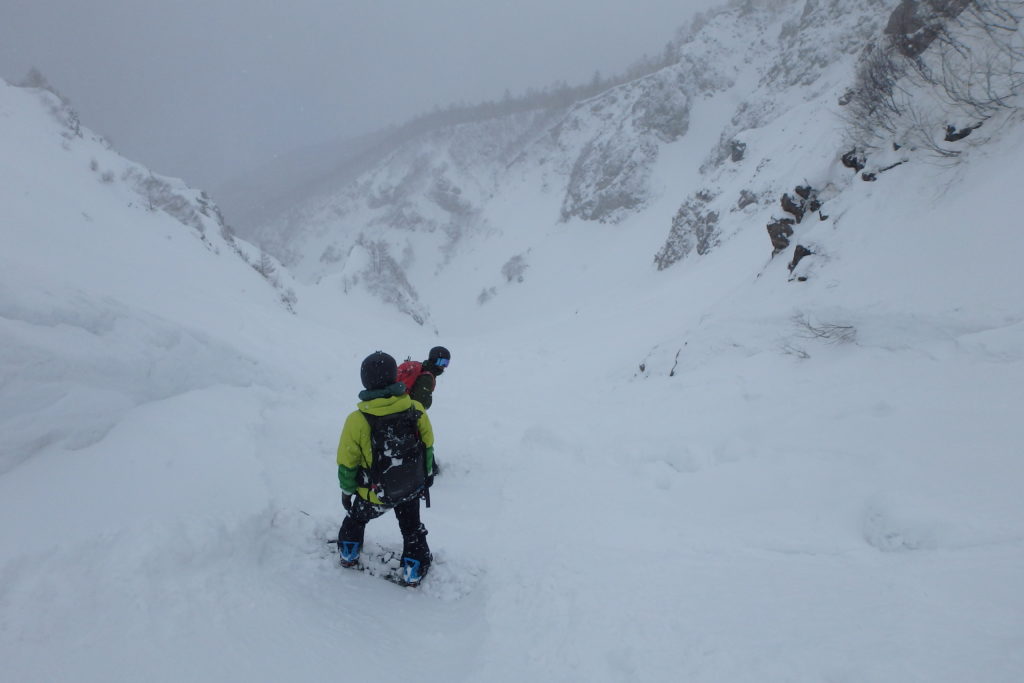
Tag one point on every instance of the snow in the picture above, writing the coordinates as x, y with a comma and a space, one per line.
756, 503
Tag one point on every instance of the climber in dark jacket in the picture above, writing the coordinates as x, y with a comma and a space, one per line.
433, 367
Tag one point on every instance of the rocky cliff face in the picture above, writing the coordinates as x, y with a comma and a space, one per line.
787, 55
773, 65
614, 140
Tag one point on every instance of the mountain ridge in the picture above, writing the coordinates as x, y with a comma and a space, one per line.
598, 155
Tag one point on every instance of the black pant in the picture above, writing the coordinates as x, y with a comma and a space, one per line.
414, 534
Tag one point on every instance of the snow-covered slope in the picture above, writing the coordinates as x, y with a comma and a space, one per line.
724, 470
119, 286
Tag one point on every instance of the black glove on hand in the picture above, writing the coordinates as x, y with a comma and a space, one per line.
430, 480
346, 500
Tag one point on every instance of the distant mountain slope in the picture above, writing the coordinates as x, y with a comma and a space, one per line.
682, 159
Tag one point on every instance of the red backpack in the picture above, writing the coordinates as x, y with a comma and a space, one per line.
410, 371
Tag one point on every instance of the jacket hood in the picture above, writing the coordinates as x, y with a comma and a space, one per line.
385, 405
396, 389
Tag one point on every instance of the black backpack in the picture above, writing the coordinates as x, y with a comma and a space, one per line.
399, 468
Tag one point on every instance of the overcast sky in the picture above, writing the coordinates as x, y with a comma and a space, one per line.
202, 89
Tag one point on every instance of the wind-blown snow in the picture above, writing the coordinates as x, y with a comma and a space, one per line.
711, 473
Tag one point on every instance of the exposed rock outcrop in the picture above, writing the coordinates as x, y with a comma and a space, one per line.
804, 200
694, 228
779, 231
915, 24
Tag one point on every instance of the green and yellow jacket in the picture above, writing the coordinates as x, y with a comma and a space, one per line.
354, 449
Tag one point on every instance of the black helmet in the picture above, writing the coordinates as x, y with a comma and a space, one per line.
379, 370
438, 359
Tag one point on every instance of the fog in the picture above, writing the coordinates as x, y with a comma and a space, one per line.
207, 89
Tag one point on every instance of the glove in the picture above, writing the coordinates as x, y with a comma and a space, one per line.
430, 480
346, 500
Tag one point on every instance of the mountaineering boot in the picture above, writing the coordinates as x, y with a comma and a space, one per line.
412, 571
349, 553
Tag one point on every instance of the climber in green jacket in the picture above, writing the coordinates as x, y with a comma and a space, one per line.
385, 453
